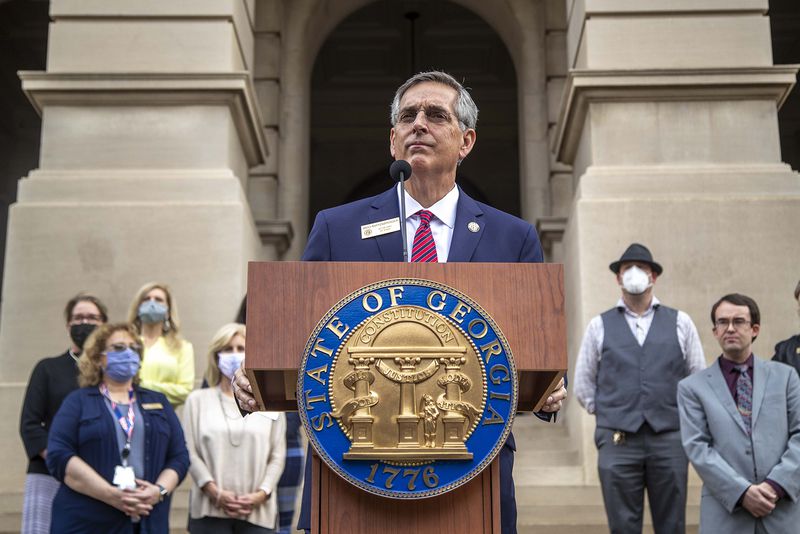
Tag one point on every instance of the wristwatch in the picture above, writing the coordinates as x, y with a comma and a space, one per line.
162, 493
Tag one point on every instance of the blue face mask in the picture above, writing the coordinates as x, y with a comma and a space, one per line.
122, 365
151, 311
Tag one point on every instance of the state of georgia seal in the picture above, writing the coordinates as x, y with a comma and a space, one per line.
407, 388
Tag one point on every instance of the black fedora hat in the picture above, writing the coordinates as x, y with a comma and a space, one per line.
636, 252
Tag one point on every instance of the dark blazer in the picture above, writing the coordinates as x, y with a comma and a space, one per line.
788, 352
51, 381
83, 427
336, 236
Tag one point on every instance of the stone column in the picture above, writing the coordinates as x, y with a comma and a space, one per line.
149, 128
669, 119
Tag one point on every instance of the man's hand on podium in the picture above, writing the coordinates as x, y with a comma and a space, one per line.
243, 391
244, 394
555, 399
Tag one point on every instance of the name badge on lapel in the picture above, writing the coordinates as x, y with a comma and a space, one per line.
379, 228
152, 406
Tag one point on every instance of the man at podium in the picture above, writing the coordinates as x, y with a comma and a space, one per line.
433, 129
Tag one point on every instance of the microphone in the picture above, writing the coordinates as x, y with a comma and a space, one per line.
400, 170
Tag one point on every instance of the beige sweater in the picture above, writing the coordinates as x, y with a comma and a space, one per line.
254, 461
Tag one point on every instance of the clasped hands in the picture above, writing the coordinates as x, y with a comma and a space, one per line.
759, 499
236, 506
137, 502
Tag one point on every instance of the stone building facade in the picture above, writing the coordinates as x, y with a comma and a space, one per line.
180, 140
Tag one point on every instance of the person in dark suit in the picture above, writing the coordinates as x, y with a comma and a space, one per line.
788, 350
433, 129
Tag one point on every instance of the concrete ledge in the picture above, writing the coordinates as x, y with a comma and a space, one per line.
276, 233
115, 186
234, 11
581, 11
235, 90
684, 182
550, 230
584, 87
143, 8
673, 7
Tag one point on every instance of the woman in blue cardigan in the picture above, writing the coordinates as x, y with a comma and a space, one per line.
118, 449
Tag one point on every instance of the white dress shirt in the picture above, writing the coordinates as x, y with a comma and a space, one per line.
442, 223
592, 348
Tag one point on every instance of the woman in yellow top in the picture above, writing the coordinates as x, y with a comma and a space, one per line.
168, 360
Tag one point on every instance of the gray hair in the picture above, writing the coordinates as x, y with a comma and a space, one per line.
465, 108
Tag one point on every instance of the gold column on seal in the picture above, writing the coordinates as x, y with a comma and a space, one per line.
408, 419
361, 419
453, 383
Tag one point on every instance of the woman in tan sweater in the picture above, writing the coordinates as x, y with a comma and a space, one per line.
236, 462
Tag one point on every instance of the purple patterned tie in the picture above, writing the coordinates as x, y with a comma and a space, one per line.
744, 396
424, 248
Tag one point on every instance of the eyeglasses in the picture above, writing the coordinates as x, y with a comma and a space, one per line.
119, 347
88, 318
738, 323
433, 114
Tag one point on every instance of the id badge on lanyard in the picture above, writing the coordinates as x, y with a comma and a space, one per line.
124, 477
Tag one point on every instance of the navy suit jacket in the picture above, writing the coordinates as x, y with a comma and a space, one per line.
336, 236
83, 427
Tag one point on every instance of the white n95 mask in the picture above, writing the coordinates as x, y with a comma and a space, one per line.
635, 281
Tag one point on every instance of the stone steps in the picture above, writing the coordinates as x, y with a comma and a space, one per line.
546, 455
552, 495
587, 529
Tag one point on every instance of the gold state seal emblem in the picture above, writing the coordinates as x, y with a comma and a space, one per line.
407, 385
407, 388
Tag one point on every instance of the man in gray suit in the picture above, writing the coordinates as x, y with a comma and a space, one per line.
740, 427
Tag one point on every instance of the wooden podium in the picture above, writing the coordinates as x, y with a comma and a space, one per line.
285, 300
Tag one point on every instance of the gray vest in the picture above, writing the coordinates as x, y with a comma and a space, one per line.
639, 383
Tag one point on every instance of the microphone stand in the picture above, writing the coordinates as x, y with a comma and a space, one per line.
403, 215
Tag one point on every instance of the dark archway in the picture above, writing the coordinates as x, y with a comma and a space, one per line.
784, 17
23, 46
360, 66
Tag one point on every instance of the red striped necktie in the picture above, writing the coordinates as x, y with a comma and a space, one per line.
424, 248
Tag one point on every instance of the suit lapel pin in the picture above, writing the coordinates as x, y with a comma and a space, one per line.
473, 227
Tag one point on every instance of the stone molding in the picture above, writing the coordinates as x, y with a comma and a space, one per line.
278, 233
550, 230
237, 12
233, 89
584, 87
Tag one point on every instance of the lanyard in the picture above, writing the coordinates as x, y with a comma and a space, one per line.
126, 422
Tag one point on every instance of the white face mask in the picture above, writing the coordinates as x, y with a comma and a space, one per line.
229, 362
635, 281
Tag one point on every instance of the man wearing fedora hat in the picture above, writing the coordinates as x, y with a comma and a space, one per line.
630, 362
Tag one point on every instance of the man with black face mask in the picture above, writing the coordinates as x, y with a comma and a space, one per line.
52, 380
630, 362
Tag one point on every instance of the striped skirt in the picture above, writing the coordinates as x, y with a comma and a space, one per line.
40, 490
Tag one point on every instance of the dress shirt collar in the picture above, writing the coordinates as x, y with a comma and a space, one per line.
654, 303
444, 209
731, 375
729, 366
